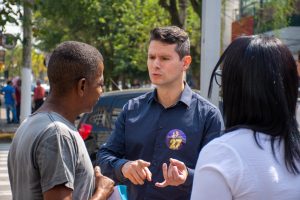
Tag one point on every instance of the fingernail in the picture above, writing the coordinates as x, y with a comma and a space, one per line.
97, 168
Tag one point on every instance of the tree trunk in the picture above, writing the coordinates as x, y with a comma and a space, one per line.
183, 4
26, 70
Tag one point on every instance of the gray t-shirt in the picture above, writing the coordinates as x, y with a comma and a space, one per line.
47, 151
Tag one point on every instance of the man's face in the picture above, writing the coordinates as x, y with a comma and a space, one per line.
94, 89
164, 64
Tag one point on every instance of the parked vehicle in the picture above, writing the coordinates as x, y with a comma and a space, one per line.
95, 127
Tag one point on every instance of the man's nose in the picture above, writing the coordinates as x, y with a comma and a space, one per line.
156, 63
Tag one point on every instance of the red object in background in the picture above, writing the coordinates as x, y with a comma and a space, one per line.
244, 26
85, 130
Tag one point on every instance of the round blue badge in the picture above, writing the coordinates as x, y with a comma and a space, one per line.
175, 139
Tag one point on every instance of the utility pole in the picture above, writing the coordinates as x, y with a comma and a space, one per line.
26, 68
210, 46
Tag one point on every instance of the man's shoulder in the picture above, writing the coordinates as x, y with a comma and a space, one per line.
140, 100
49, 122
202, 101
6, 88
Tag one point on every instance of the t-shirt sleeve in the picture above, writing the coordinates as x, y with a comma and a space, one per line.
218, 167
56, 158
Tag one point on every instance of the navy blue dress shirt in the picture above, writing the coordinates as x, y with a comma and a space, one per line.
148, 131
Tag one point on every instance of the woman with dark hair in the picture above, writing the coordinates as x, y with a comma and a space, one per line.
258, 157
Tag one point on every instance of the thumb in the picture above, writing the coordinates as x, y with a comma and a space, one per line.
97, 171
177, 163
162, 184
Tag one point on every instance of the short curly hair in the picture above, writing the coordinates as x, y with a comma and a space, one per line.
70, 62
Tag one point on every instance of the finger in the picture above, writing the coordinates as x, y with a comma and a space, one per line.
165, 171
148, 174
175, 173
162, 184
143, 163
170, 172
132, 179
177, 163
141, 173
180, 166
138, 179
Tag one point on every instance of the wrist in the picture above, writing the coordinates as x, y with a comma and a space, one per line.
100, 194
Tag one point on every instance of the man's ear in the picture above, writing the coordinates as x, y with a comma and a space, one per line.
186, 62
81, 86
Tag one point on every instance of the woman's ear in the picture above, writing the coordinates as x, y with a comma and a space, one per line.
81, 86
186, 62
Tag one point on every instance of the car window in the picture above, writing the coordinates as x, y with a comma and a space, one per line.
114, 116
118, 104
101, 117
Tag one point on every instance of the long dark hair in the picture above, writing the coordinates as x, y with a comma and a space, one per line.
260, 88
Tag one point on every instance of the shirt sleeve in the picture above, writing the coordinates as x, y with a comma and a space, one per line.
56, 159
219, 167
213, 127
110, 156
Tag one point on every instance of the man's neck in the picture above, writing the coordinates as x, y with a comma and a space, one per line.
59, 106
169, 96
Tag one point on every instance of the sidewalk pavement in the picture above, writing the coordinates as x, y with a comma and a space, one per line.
7, 131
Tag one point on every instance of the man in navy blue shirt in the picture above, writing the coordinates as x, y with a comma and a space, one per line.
158, 136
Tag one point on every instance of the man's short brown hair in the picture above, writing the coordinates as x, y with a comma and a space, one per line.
172, 35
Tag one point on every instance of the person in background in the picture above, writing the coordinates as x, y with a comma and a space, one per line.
38, 95
18, 98
10, 102
48, 158
158, 136
258, 156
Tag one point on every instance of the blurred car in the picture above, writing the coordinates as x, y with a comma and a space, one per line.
95, 127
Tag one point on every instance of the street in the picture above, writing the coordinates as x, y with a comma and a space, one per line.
5, 192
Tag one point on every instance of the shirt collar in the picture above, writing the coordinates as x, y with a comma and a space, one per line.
186, 95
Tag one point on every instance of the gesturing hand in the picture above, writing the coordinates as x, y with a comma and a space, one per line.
104, 186
137, 171
175, 175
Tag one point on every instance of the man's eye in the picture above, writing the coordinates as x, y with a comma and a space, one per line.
165, 58
151, 57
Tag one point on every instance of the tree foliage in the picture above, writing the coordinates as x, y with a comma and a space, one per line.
118, 28
13, 61
273, 14
187, 14
9, 12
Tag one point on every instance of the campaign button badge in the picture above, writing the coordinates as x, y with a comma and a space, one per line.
175, 139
